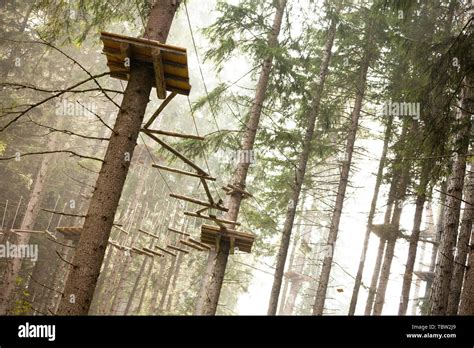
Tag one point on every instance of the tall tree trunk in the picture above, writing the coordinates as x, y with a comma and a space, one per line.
169, 303
412, 251
135, 285
143, 267
15, 52
301, 170
117, 284
391, 200
206, 277
438, 231
157, 227
421, 262
98, 223
145, 287
444, 267
318, 307
466, 306
290, 267
13, 265
108, 271
126, 271
391, 242
462, 247
375, 277
158, 285
370, 218
240, 174
415, 236
164, 295
300, 262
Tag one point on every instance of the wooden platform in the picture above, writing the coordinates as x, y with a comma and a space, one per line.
70, 232
211, 235
168, 64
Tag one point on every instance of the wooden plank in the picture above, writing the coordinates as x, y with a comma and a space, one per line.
120, 229
172, 58
202, 210
50, 235
178, 90
240, 246
118, 76
177, 154
116, 245
126, 51
211, 217
26, 231
142, 252
198, 201
179, 171
149, 234
178, 249
172, 83
208, 192
192, 240
109, 35
165, 251
178, 232
160, 109
173, 134
171, 68
209, 239
144, 50
216, 229
192, 245
153, 252
160, 83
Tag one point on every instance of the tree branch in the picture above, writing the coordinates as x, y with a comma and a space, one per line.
47, 152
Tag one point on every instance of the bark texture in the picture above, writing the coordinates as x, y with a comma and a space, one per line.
91, 248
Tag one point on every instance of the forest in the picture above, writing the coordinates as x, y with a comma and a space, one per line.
236, 157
